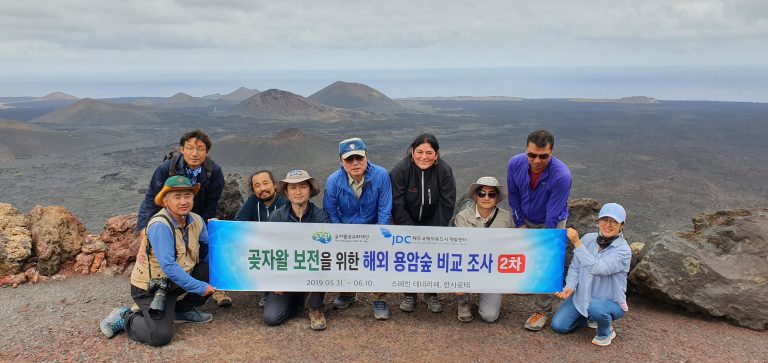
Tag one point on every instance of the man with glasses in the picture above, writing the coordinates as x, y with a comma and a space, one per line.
358, 193
538, 186
191, 161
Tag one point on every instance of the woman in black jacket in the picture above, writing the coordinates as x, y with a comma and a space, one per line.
423, 194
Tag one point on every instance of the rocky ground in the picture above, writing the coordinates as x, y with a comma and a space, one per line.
57, 320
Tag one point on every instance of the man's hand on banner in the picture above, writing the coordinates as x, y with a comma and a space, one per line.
209, 290
566, 293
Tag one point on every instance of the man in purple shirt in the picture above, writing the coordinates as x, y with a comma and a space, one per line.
538, 186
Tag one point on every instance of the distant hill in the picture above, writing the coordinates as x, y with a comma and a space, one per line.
59, 96
282, 105
21, 140
625, 100
93, 112
239, 95
291, 148
356, 96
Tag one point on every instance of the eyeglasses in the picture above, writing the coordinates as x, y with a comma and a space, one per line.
200, 150
540, 156
483, 194
608, 220
353, 158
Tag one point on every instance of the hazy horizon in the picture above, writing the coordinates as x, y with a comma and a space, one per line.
694, 83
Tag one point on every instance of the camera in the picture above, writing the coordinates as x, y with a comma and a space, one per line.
160, 287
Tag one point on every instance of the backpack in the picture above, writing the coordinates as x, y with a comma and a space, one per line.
175, 155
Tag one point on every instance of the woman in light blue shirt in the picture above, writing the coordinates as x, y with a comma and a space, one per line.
596, 283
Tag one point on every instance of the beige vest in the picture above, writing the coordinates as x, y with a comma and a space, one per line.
186, 256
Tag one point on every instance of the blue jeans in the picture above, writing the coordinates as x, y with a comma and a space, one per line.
601, 311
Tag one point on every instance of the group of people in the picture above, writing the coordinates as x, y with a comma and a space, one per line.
419, 190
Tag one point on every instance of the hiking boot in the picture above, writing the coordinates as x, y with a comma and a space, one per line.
221, 298
263, 300
408, 304
604, 341
433, 304
591, 324
192, 316
465, 311
114, 323
316, 319
536, 321
343, 302
380, 310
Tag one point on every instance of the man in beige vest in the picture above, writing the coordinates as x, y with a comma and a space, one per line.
172, 260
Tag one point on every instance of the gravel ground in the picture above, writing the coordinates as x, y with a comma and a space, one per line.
58, 321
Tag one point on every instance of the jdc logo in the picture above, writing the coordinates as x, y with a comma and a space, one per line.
395, 238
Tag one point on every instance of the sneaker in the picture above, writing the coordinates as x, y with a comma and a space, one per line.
591, 324
114, 322
221, 298
433, 304
316, 319
380, 310
343, 302
192, 316
604, 341
536, 321
408, 304
263, 300
465, 312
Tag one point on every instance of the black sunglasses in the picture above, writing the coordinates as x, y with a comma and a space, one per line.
352, 158
483, 193
540, 156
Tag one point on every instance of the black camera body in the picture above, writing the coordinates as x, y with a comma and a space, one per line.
160, 287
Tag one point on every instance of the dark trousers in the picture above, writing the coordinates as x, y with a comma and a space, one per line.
280, 308
158, 331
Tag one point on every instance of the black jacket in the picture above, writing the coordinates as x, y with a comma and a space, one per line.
422, 197
314, 214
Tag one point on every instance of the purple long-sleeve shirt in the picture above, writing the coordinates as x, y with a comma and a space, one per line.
545, 204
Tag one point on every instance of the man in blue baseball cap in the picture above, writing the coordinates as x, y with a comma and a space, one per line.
358, 193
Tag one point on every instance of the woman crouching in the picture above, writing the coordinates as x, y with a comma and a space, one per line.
596, 284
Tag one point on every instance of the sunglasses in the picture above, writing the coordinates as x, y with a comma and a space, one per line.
540, 156
483, 194
352, 158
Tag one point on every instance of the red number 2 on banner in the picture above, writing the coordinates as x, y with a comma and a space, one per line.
511, 264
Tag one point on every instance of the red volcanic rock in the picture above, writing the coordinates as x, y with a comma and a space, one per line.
57, 236
15, 241
121, 242
13, 280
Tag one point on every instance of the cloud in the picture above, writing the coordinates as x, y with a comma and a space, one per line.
269, 30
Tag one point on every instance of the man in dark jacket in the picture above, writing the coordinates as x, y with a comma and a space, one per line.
264, 199
193, 162
298, 186
359, 192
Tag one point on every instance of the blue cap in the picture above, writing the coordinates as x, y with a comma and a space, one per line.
353, 146
613, 210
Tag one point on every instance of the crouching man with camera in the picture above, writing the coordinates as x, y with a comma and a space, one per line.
172, 260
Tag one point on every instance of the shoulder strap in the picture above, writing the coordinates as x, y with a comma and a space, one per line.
490, 221
208, 168
174, 162
173, 232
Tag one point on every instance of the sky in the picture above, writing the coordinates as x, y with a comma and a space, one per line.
123, 43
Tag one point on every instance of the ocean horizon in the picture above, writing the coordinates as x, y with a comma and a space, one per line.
685, 83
